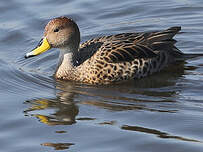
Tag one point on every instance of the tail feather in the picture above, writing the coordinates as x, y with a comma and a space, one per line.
165, 35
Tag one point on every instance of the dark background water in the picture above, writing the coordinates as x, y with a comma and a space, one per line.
163, 112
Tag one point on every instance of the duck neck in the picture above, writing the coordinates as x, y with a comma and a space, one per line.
66, 64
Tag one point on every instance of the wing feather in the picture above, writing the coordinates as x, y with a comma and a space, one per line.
125, 47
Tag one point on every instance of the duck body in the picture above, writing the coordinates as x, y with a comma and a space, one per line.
109, 59
121, 57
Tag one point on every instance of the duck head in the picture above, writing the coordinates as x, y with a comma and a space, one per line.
62, 33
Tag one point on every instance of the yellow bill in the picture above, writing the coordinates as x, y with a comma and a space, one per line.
42, 47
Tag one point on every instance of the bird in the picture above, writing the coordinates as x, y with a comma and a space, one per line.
108, 59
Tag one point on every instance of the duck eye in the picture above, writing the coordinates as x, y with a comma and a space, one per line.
56, 30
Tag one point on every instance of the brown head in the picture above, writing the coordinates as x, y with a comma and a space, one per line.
60, 32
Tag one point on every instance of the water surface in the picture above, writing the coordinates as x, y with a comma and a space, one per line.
163, 112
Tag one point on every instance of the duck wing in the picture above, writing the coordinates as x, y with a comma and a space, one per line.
125, 47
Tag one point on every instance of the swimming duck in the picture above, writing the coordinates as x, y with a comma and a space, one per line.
107, 59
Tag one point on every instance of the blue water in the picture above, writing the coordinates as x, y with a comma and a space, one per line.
38, 113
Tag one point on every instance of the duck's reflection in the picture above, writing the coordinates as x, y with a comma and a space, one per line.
57, 111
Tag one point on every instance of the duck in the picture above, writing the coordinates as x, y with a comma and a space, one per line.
108, 59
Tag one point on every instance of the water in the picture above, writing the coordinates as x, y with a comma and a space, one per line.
160, 113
